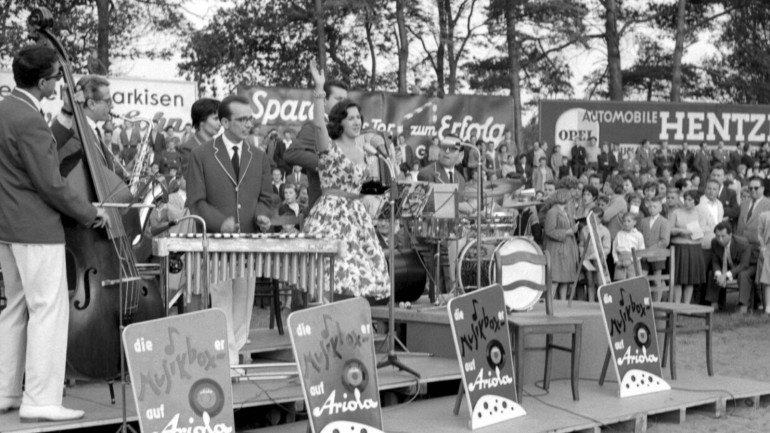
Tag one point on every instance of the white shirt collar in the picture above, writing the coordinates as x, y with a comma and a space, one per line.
229, 146
35, 101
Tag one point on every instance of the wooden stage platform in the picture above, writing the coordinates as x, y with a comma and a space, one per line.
556, 411
427, 330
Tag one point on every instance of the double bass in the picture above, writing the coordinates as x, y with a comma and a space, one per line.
101, 264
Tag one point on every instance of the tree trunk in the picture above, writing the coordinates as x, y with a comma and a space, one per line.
443, 26
372, 53
514, 69
320, 22
615, 76
676, 73
403, 49
452, 57
103, 33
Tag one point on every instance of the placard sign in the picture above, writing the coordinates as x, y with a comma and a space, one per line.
630, 324
334, 348
483, 342
597, 249
180, 372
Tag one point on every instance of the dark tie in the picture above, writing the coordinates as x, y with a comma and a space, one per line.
105, 151
751, 210
451, 177
236, 162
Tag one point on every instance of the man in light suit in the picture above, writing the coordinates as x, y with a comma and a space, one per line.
296, 177
303, 150
748, 221
34, 195
730, 260
229, 186
645, 157
727, 196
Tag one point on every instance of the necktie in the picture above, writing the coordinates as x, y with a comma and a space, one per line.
751, 210
451, 177
296, 177
236, 163
725, 257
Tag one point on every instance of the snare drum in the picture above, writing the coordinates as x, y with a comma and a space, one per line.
494, 226
520, 299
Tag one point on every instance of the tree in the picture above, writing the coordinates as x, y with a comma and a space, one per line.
403, 46
112, 28
612, 38
676, 70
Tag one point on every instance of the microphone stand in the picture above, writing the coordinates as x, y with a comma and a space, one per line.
479, 207
392, 357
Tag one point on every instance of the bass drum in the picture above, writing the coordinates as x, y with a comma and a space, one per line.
522, 298
410, 275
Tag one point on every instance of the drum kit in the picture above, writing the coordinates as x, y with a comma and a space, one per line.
498, 230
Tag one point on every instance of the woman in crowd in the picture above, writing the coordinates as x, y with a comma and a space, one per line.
588, 202
361, 270
690, 269
560, 243
290, 205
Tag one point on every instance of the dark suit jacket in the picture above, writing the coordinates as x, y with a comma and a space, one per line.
682, 156
434, 174
215, 194
701, 162
740, 254
729, 201
159, 143
33, 194
645, 158
303, 153
664, 160
578, 155
278, 157
607, 162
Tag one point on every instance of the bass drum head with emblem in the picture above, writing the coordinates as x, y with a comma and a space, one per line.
522, 298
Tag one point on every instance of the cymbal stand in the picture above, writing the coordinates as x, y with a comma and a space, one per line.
392, 357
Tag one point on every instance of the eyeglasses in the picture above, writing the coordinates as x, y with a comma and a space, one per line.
243, 119
755, 188
107, 100
58, 76
450, 148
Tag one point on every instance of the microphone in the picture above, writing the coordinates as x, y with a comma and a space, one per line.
371, 150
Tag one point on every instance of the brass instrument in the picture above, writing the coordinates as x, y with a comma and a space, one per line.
143, 156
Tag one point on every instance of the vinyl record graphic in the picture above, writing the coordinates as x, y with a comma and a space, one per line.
206, 396
642, 335
495, 354
354, 375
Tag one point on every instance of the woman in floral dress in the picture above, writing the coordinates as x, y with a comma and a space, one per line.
361, 269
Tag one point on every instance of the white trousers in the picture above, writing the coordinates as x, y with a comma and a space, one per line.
236, 298
33, 327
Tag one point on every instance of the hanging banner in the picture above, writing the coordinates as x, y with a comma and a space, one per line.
628, 123
629, 320
418, 117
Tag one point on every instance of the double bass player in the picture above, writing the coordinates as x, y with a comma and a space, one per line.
32, 255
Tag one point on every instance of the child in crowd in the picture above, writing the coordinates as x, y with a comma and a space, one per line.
649, 191
627, 238
656, 233
634, 200
590, 265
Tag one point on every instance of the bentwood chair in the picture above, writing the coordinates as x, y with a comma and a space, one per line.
525, 324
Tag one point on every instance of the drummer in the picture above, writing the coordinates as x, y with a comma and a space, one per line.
444, 171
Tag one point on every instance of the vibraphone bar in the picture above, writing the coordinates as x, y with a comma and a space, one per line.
297, 259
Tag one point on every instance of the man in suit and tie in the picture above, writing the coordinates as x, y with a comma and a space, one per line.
701, 161
748, 220
727, 196
34, 195
443, 171
664, 158
607, 161
720, 154
296, 177
731, 261
229, 186
645, 157
157, 138
684, 155
303, 150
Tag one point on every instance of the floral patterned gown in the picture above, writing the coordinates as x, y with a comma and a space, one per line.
361, 270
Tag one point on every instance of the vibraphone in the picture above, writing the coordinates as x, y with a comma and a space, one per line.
297, 259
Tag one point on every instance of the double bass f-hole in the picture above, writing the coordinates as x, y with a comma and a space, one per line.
86, 290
